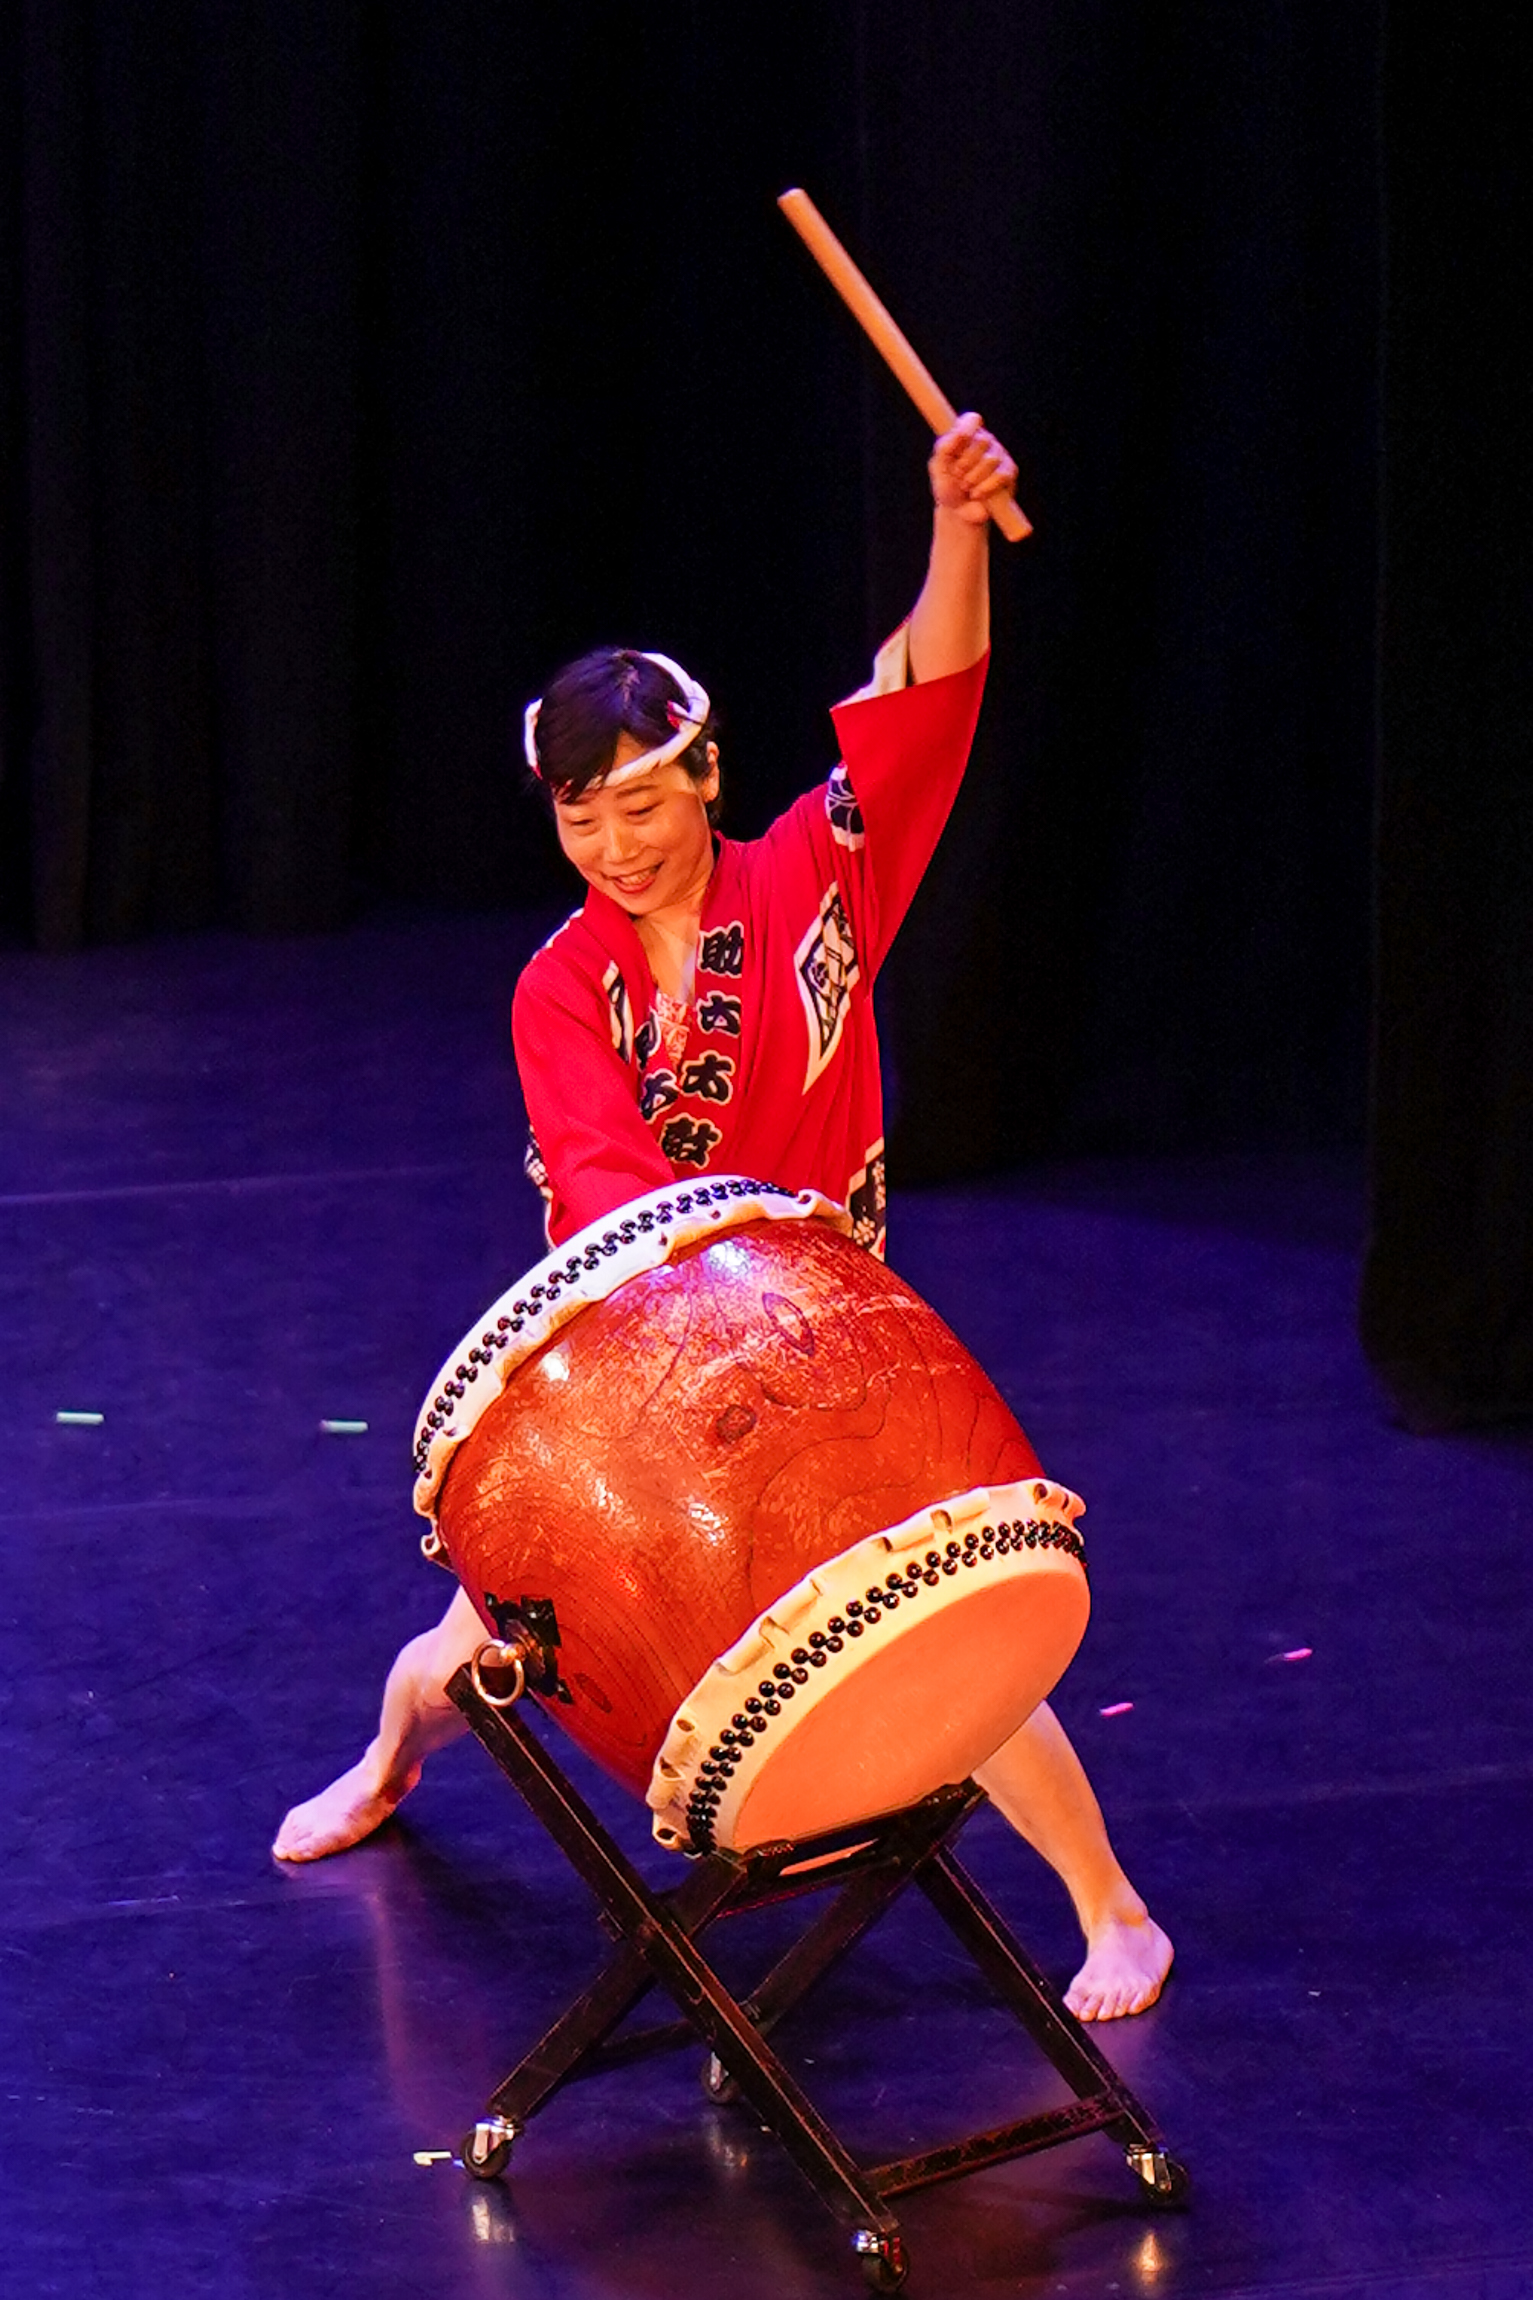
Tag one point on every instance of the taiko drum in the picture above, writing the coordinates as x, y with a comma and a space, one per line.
793, 1557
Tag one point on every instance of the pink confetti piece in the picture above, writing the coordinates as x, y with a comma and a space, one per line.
1116, 1709
1299, 1653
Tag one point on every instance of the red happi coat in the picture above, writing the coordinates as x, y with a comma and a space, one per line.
779, 1078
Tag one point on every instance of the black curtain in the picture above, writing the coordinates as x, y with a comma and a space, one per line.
1448, 1285
370, 360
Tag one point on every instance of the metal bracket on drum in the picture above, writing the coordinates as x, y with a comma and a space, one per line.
531, 1626
495, 1655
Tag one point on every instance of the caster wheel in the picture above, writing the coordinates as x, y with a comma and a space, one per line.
1167, 2181
717, 2082
487, 2148
884, 2260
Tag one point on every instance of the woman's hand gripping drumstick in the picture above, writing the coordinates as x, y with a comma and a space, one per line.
998, 496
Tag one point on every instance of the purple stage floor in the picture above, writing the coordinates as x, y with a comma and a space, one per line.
245, 1188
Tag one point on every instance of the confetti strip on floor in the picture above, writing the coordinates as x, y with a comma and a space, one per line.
1116, 1709
344, 1429
80, 1420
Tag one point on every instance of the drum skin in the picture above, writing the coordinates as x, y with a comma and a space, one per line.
683, 1452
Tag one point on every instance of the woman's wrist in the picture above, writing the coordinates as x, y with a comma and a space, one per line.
959, 519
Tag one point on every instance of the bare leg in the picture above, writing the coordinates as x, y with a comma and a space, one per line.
417, 1718
1040, 1785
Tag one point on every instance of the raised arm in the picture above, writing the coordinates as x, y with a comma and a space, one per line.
950, 623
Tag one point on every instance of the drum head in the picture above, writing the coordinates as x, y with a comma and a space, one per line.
888, 1672
918, 1713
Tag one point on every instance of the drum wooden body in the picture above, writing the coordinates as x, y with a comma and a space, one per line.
801, 1559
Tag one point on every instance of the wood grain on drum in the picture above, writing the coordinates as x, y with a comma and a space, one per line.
685, 1451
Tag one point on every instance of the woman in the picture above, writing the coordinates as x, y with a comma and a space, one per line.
711, 1007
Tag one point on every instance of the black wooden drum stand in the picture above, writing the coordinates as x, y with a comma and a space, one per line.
658, 1935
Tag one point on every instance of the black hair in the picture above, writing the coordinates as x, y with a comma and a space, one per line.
612, 691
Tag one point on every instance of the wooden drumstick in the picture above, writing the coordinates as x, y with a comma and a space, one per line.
889, 340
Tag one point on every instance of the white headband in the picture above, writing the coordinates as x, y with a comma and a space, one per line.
686, 718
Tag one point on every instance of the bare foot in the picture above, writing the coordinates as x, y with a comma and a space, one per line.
349, 1810
1127, 1960
417, 1719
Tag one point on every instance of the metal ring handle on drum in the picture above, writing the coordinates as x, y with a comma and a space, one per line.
505, 1656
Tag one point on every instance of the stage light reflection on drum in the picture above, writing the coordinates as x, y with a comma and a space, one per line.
794, 1560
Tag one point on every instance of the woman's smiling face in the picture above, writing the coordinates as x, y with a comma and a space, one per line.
646, 843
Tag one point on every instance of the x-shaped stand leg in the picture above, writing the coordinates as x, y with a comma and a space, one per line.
868, 1866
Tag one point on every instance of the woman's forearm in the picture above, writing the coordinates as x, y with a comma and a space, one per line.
950, 622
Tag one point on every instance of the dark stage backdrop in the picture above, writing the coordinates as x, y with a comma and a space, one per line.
367, 361
1448, 1286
